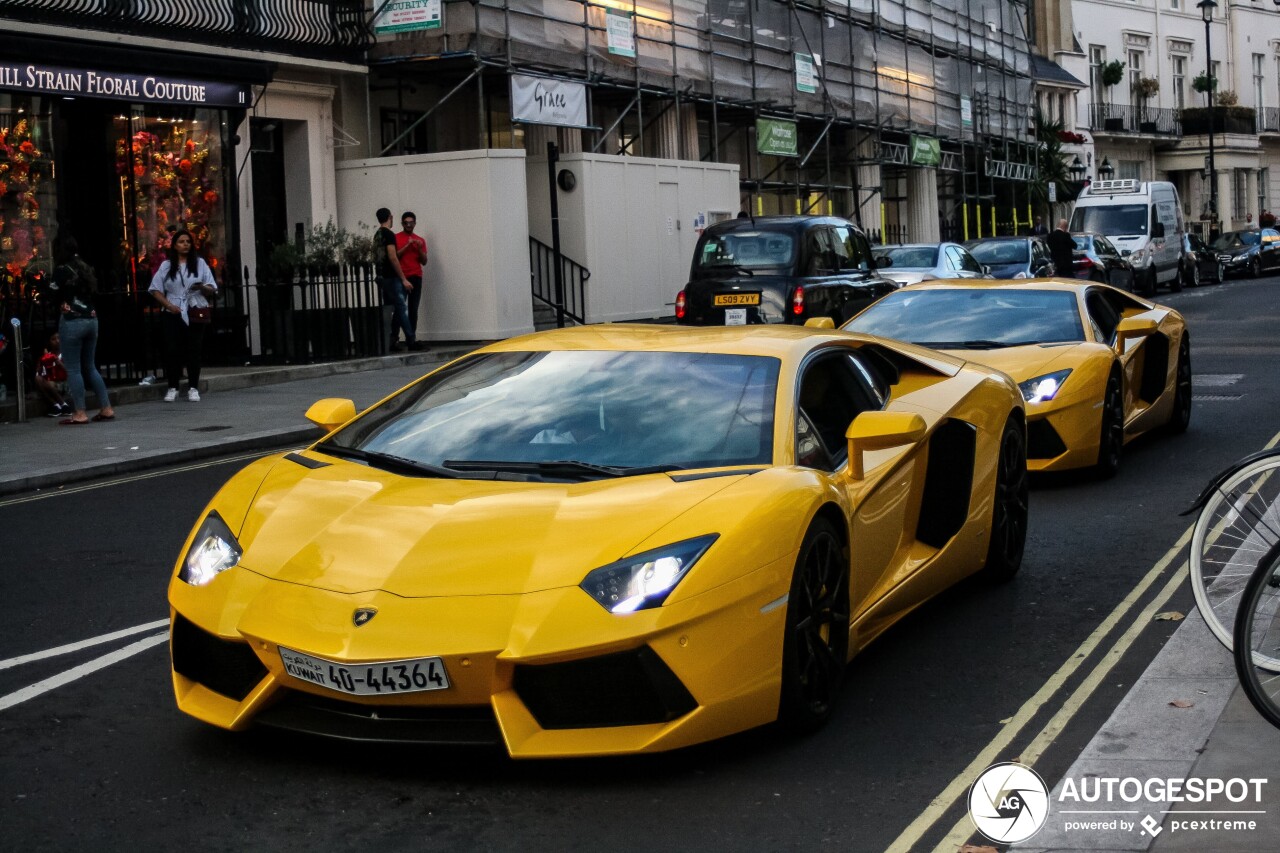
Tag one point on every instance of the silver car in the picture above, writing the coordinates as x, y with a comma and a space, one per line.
917, 262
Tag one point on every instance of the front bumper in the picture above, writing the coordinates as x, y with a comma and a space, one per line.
545, 674
1064, 434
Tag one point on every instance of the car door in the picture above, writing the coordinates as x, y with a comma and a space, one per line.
1106, 313
1270, 248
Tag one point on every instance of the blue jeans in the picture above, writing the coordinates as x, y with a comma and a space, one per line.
79, 345
393, 294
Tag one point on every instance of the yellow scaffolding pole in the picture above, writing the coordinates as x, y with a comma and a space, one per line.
993, 220
965, 217
979, 219
882, 223
1015, 221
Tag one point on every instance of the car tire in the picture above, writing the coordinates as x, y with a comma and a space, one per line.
1221, 274
815, 646
1255, 268
1175, 283
1009, 507
1148, 285
1111, 434
1180, 419
1193, 280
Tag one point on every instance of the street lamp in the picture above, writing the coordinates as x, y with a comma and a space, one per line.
1106, 171
1076, 169
1206, 8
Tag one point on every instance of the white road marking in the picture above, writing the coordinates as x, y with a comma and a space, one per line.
83, 644
75, 673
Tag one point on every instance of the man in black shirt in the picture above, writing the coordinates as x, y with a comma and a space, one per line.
1062, 249
392, 280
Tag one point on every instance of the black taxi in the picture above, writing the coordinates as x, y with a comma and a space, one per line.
779, 269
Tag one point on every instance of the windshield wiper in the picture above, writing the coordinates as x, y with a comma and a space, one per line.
388, 462
974, 344
557, 468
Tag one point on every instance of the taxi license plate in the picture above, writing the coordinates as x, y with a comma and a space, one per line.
735, 316
722, 299
367, 679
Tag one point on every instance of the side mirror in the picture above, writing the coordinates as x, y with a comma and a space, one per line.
1133, 327
1157, 230
878, 430
331, 413
820, 323
882, 262
986, 269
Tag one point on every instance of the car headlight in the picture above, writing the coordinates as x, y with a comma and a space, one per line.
1043, 388
1138, 256
645, 580
213, 551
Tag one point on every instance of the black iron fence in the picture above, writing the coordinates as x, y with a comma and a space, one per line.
318, 316
1121, 118
573, 281
324, 29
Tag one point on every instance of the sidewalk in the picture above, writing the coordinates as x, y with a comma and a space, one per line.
242, 410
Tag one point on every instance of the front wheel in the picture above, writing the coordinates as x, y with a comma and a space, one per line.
815, 647
1255, 268
1010, 507
1221, 275
1111, 435
1181, 417
1175, 283
1193, 277
1147, 286
1257, 638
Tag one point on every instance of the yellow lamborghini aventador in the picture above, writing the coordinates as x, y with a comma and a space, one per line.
1097, 366
607, 539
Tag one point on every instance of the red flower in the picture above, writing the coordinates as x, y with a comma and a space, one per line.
190, 146
139, 171
26, 147
4, 188
210, 197
184, 164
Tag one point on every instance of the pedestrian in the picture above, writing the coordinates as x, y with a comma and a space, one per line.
1249, 224
1038, 229
73, 284
183, 286
1062, 250
51, 379
391, 280
411, 249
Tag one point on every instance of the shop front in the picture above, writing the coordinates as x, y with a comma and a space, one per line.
118, 159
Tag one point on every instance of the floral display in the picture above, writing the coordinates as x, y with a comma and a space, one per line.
22, 236
175, 184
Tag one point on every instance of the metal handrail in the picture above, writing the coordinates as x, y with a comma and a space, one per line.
1134, 118
542, 280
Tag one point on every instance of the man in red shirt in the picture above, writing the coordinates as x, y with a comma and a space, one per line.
412, 251
51, 378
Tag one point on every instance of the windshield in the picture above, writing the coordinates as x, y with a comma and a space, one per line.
1122, 220
911, 257
618, 409
986, 318
998, 252
747, 249
1236, 240
1082, 243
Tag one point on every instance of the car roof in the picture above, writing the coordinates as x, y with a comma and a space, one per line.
1002, 239
777, 223
911, 246
1059, 284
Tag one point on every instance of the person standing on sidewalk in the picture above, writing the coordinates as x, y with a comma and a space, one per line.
391, 280
183, 286
411, 249
74, 283
1062, 250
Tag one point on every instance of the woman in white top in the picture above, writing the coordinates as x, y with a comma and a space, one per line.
183, 286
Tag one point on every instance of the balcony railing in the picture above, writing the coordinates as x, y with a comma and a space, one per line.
320, 29
1120, 118
1269, 120
1240, 120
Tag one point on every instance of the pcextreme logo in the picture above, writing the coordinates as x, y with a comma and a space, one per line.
1009, 803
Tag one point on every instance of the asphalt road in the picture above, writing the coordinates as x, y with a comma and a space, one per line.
105, 762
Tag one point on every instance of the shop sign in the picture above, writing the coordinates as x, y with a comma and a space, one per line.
137, 88
777, 137
621, 33
925, 151
806, 74
401, 16
545, 100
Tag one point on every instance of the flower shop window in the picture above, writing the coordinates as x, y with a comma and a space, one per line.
26, 192
172, 175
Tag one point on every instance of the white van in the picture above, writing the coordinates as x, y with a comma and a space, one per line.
1144, 220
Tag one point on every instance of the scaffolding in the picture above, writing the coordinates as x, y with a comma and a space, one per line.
704, 71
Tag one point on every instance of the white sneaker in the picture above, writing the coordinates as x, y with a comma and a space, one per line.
171, 395
193, 395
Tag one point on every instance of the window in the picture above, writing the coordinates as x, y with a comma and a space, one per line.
1097, 58
852, 251
834, 390
1135, 71
1240, 194
1179, 66
1264, 178
1129, 170
1257, 80
1175, 4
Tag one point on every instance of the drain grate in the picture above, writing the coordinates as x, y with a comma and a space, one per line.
1217, 398
208, 429
1215, 380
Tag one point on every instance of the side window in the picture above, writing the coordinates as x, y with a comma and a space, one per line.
1105, 318
856, 253
817, 245
835, 388
953, 259
968, 262
840, 248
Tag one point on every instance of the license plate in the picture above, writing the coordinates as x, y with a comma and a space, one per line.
386, 678
736, 299
735, 316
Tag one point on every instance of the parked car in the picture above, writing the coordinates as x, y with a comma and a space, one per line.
1097, 259
1144, 221
779, 269
1248, 252
1200, 264
1013, 257
916, 262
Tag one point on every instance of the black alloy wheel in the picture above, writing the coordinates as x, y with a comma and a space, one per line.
815, 647
1010, 507
1255, 268
1111, 437
1221, 274
1181, 416
1193, 280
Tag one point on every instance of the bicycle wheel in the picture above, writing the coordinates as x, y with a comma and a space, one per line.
1239, 523
1257, 638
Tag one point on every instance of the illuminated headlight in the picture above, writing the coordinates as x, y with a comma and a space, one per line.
645, 580
213, 551
1043, 388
